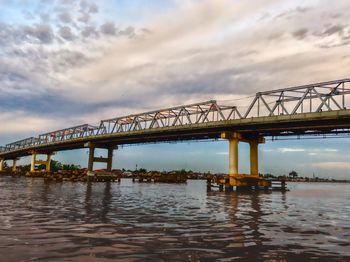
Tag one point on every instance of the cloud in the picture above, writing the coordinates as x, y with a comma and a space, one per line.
286, 150
332, 166
19, 122
66, 33
89, 31
65, 17
300, 34
221, 153
39, 32
335, 29
310, 151
108, 28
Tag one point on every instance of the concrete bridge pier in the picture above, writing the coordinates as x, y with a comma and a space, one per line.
243, 180
108, 160
14, 165
2, 161
36, 162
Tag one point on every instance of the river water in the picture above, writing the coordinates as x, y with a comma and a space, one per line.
49, 221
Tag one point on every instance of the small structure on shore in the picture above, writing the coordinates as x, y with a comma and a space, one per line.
222, 182
162, 177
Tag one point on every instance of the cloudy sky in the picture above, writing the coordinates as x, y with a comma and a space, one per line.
65, 62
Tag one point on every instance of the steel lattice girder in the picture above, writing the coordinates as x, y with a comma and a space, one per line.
174, 116
67, 133
318, 97
21, 143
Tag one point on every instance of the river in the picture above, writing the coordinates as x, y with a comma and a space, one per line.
50, 221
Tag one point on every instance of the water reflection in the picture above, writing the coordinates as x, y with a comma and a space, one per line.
47, 221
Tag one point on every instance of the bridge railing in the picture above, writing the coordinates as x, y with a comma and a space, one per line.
170, 117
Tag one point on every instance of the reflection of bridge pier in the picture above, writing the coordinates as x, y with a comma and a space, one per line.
97, 211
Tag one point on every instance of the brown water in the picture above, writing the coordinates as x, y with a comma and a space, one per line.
47, 221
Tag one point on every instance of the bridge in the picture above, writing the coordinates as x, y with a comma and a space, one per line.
313, 109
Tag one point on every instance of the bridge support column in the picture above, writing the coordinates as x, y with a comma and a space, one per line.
108, 160
233, 139
2, 161
254, 158
14, 165
242, 180
46, 162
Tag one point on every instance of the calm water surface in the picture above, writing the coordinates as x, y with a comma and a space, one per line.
48, 221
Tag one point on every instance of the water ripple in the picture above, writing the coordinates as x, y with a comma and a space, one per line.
43, 221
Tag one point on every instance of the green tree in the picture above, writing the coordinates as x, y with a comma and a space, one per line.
293, 174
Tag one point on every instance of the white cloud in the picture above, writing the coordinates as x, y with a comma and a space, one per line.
287, 149
222, 153
332, 165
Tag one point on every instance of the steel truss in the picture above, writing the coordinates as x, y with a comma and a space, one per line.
67, 134
170, 117
326, 96
21, 144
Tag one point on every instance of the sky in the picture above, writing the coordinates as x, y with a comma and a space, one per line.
66, 62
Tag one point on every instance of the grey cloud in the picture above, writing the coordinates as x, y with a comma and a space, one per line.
108, 28
275, 36
83, 5
93, 8
45, 18
146, 31
84, 18
333, 30
301, 9
41, 32
66, 59
129, 31
66, 33
300, 34
87, 7
89, 31
65, 17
